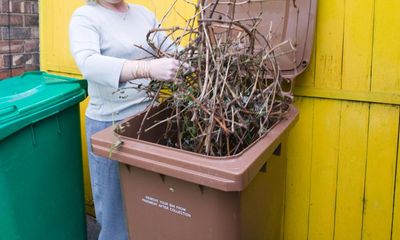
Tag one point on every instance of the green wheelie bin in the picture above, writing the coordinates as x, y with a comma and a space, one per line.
41, 179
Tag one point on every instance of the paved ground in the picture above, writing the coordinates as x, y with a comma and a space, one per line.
92, 228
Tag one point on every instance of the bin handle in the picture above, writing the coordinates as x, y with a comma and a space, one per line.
81, 82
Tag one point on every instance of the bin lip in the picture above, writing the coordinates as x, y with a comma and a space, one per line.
232, 173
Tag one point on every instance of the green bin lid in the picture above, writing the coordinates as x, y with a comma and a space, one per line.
34, 96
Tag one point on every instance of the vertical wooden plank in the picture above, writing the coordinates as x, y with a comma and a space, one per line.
53, 23
62, 33
307, 78
42, 36
357, 49
298, 173
396, 209
380, 173
386, 54
329, 44
324, 169
351, 170
45, 31
67, 63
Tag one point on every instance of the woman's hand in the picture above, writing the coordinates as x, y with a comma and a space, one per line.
163, 69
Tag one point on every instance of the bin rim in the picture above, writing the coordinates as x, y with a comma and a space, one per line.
232, 173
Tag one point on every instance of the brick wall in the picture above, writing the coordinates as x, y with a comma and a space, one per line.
19, 37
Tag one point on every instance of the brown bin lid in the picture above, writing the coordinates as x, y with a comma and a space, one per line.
286, 20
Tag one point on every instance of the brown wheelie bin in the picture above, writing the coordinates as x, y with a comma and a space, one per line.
172, 194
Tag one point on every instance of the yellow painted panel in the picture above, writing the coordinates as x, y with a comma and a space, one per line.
386, 54
380, 174
396, 209
351, 170
324, 168
306, 79
329, 44
298, 173
43, 35
357, 49
55, 55
63, 38
46, 28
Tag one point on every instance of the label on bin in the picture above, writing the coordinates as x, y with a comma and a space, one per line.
166, 206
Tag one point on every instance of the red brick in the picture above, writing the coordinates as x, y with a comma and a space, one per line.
2, 62
31, 7
10, 60
31, 20
3, 20
18, 71
32, 45
34, 32
5, 74
20, 59
20, 33
4, 33
29, 59
36, 59
31, 67
17, 6
4, 6
13, 20
16, 46
5, 47
16, 20
6, 60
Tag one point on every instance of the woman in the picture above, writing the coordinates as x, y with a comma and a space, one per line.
103, 35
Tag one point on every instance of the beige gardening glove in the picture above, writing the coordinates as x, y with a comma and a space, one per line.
163, 69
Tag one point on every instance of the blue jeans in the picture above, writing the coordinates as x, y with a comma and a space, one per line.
105, 181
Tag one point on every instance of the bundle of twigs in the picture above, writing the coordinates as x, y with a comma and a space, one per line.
232, 92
